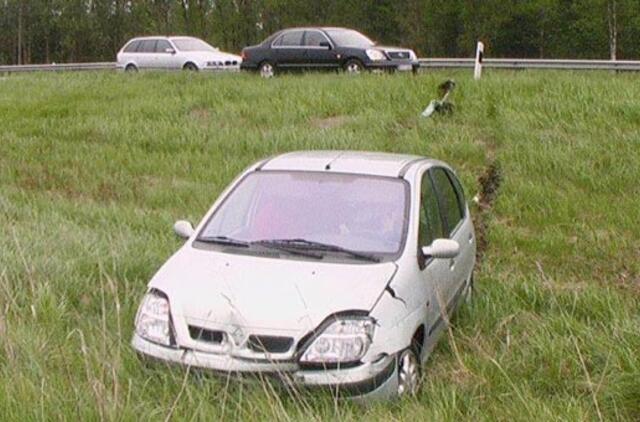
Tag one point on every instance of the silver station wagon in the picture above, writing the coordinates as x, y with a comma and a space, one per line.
187, 53
335, 269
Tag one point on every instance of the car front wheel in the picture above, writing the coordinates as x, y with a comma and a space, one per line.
131, 68
190, 67
469, 293
408, 372
267, 70
353, 67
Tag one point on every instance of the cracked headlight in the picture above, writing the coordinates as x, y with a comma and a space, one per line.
344, 340
376, 55
153, 321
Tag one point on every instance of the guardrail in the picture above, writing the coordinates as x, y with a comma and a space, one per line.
436, 63
57, 67
630, 65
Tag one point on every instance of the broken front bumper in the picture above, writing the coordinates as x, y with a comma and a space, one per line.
371, 379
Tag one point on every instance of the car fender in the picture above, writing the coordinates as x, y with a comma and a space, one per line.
395, 326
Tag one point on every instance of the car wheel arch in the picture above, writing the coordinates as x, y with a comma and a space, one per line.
418, 339
189, 65
351, 57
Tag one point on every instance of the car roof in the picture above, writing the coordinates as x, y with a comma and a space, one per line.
355, 162
322, 28
150, 37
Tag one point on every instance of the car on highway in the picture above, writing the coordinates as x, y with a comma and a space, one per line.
186, 53
325, 48
330, 269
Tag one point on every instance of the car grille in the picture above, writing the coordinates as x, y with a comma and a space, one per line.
205, 335
221, 63
401, 55
269, 344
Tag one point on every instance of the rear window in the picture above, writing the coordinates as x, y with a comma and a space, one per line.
132, 46
147, 46
290, 39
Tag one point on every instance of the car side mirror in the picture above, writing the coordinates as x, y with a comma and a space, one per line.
325, 44
441, 248
170, 50
183, 228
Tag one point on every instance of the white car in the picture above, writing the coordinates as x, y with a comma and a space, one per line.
186, 53
335, 269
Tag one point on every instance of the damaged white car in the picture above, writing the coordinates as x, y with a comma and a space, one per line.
333, 269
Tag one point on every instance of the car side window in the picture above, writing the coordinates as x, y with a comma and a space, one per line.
290, 39
162, 45
459, 192
314, 38
133, 46
431, 226
147, 46
449, 202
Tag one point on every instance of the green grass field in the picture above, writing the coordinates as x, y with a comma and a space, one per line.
96, 167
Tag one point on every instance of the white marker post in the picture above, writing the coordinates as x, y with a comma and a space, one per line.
477, 72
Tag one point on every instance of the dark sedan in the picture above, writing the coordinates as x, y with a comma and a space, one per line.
325, 48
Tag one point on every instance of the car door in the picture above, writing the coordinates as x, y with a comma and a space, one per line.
146, 54
164, 55
435, 272
289, 50
458, 227
129, 53
318, 50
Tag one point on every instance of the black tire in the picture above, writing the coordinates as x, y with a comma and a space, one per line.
353, 67
409, 371
470, 291
131, 68
266, 69
190, 67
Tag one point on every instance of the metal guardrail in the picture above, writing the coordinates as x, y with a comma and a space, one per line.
436, 63
57, 67
631, 65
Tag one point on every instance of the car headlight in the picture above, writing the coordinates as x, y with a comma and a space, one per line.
376, 55
153, 320
344, 340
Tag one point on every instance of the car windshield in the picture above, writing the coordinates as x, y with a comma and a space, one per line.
356, 212
192, 44
349, 38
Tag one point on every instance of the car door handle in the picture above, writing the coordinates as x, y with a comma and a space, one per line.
452, 264
470, 237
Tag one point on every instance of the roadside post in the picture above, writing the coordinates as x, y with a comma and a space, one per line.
477, 71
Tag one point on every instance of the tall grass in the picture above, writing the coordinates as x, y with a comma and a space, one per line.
95, 167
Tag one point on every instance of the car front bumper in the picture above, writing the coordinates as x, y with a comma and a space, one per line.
370, 380
399, 65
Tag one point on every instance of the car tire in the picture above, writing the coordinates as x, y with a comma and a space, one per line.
470, 291
353, 67
190, 67
408, 372
267, 70
131, 68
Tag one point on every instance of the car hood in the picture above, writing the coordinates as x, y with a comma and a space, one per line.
204, 56
220, 289
392, 48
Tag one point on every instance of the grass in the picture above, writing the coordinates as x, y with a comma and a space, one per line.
96, 167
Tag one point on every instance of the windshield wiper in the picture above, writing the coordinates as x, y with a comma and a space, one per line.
276, 244
319, 246
223, 240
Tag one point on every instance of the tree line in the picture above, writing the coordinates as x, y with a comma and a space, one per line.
45, 31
